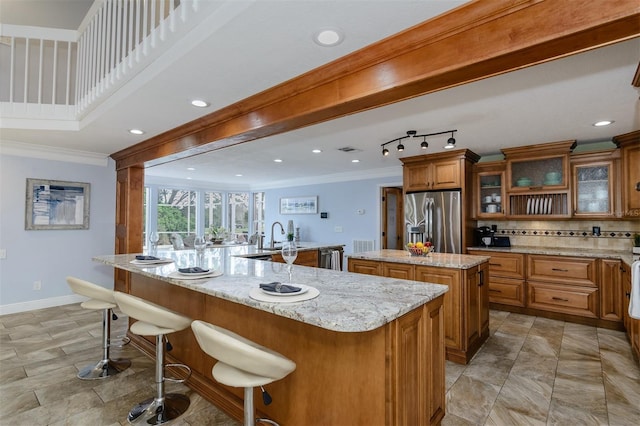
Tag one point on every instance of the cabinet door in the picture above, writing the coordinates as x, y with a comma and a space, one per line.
452, 300
304, 258
362, 266
415, 177
631, 179
445, 174
490, 190
626, 296
398, 270
611, 290
483, 297
593, 189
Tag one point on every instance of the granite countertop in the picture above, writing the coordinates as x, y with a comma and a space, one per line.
443, 260
347, 302
625, 256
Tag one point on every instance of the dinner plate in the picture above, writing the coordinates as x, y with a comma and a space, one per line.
303, 290
196, 274
199, 276
151, 262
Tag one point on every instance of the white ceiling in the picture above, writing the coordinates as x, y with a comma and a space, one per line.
262, 43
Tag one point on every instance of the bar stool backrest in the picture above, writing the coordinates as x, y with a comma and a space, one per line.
90, 290
149, 312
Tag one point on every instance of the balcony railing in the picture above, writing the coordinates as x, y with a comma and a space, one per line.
64, 74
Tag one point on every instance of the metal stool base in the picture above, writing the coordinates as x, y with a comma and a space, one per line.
156, 412
103, 369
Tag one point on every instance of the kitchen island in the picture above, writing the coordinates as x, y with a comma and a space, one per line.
369, 350
466, 304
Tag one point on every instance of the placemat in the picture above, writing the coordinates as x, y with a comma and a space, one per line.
257, 294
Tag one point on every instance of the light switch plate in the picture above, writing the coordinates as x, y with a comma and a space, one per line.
3, 253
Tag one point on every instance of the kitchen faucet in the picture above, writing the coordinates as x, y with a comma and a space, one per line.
272, 243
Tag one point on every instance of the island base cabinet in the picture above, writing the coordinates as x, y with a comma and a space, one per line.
391, 375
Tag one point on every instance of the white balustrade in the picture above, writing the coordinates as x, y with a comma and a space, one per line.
54, 73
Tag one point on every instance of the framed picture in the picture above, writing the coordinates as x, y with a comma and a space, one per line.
55, 204
299, 205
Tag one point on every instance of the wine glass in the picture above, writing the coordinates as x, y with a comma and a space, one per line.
289, 254
200, 243
153, 242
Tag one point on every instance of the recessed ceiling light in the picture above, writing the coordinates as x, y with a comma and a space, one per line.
189, 178
355, 161
191, 168
317, 151
199, 103
238, 175
328, 37
136, 132
603, 123
277, 160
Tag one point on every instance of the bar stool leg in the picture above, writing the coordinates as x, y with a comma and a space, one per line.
162, 408
105, 367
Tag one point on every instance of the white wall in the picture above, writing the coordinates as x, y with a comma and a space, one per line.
341, 201
50, 256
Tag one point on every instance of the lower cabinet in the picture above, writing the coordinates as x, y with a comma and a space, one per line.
304, 258
465, 306
578, 289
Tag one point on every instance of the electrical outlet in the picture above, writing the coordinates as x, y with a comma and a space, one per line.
37, 285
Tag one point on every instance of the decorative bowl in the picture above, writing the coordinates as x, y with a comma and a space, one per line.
419, 251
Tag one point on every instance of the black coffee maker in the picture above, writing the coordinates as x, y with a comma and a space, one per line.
484, 236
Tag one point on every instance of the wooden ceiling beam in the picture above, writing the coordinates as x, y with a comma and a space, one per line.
478, 40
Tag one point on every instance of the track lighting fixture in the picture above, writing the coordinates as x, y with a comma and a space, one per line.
451, 142
423, 145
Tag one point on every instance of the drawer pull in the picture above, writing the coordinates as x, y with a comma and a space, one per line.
498, 291
495, 264
559, 270
628, 295
560, 299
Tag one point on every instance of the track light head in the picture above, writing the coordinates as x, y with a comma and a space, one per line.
400, 147
451, 143
424, 144
385, 151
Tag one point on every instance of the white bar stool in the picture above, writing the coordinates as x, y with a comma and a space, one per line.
242, 363
99, 298
155, 320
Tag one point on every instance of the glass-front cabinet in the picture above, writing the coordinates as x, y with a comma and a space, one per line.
490, 189
538, 180
594, 184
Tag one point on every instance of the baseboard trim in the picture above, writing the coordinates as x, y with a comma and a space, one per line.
32, 305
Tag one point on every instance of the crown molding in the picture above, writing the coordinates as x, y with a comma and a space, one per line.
22, 149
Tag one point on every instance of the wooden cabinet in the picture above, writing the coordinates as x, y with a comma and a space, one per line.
611, 295
465, 305
580, 271
398, 270
506, 277
537, 180
573, 300
363, 266
630, 145
304, 258
445, 170
466, 308
595, 190
489, 189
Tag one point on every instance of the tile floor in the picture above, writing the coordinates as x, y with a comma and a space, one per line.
531, 371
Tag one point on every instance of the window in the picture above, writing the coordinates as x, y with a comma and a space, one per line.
176, 213
238, 215
213, 212
258, 212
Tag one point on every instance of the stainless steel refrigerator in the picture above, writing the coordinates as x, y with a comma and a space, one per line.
434, 216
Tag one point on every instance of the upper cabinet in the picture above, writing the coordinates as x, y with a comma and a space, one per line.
629, 144
538, 181
489, 186
436, 171
595, 189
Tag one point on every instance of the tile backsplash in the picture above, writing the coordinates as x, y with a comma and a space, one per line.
614, 235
